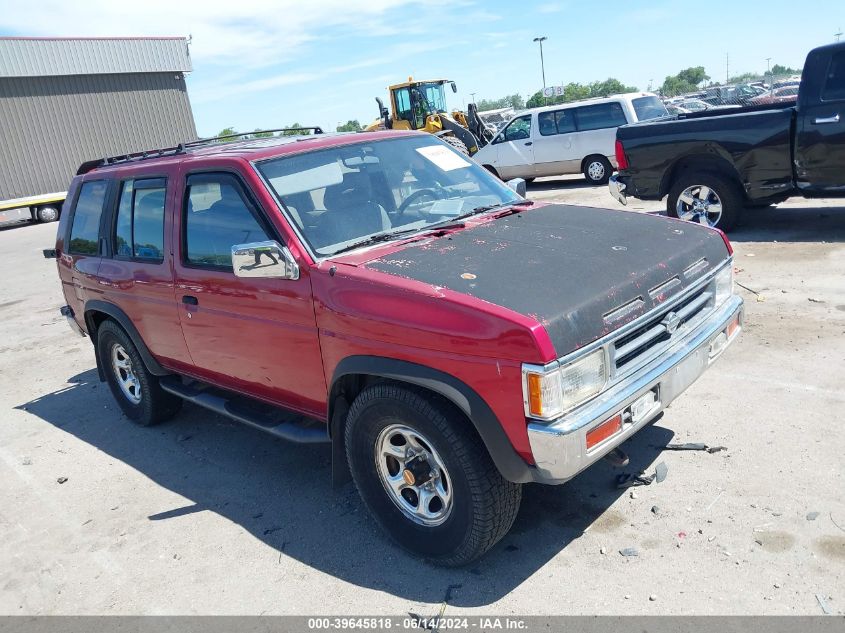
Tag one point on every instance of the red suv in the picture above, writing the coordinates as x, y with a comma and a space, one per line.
383, 293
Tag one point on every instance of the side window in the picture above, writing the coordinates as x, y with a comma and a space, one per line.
599, 116
403, 104
139, 228
565, 120
217, 215
546, 124
519, 129
85, 230
834, 86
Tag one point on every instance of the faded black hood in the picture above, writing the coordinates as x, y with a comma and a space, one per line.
566, 266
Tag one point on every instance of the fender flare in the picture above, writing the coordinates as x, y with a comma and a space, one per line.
512, 467
125, 322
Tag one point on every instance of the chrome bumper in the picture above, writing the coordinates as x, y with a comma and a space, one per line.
617, 189
560, 447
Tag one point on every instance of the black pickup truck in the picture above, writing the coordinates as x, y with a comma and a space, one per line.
711, 164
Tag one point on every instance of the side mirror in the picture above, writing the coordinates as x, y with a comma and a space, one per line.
518, 185
264, 259
384, 113
454, 87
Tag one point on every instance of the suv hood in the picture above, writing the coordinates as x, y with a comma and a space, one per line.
568, 267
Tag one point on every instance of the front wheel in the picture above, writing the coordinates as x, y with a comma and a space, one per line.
706, 198
426, 476
597, 170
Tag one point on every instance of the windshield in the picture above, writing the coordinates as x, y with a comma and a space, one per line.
339, 196
648, 108
433, 97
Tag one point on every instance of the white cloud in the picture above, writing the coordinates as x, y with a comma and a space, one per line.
250, 33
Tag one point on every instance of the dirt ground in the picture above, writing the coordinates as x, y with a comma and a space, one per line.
203, 516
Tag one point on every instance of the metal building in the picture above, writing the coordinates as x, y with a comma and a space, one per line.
67, 100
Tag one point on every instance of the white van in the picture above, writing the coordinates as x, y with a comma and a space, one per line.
567, 139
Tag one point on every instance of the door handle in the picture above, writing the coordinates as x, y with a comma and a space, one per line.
529, 143
189, 300
829, 119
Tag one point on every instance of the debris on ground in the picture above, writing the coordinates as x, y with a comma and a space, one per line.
61, 480
823, 604
652, 597
660, 471
627, 480
655, 509
27, 461
633, 495
629, 551
812, 516
814, 300
695, 446
602, 550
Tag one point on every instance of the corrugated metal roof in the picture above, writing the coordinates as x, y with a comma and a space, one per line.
52, 57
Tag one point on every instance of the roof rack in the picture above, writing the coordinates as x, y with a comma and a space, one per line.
87, 166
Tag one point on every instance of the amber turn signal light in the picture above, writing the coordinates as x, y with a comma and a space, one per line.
604, 430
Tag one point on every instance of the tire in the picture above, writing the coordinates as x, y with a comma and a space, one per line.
722, 191
493, 171
457, 143
597, 170
47, 214
152, 404
481, 505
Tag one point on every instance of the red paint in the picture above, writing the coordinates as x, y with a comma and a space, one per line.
621, 159
281, 340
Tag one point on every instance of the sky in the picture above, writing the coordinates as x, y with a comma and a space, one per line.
267, 64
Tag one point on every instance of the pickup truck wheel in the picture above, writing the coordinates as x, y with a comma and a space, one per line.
597, 170
706, 198
47, 214
136, 390
426, 476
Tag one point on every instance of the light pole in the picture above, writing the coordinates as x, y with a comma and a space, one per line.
542, 63
472, 94
769, 71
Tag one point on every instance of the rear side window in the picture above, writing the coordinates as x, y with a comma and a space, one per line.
218, 215
139, 229
85, 230
834, 85
558, 122
599, 116
648, 108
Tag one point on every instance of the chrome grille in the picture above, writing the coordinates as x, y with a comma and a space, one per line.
647, 340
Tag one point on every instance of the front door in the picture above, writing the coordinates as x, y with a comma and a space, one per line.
253, 335
820, 137
514, 151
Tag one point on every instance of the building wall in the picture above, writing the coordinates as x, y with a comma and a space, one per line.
51, 125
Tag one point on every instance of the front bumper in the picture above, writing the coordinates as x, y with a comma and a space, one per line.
617, 189
560, 447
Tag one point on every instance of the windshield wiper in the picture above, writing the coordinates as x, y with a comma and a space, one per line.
375, 239
490, 207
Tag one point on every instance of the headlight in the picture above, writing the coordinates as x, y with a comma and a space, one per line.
549, 393
724, 284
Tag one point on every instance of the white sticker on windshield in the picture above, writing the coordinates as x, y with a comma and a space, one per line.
443, 158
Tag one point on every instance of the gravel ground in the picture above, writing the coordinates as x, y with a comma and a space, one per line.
202, 515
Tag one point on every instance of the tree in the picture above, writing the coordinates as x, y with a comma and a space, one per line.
259, 134
575, 92
514, 101
295, 129
226, 131
350, 126
744, 78
778, 70
687, 80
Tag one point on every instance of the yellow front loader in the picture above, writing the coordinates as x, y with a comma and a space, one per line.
421, 105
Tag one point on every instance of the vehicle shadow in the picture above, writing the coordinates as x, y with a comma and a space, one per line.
281, 494
786, 223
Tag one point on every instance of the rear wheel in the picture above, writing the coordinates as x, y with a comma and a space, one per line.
597, 170
457, 143
136, 390
706, 198
47, 214
426, 476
